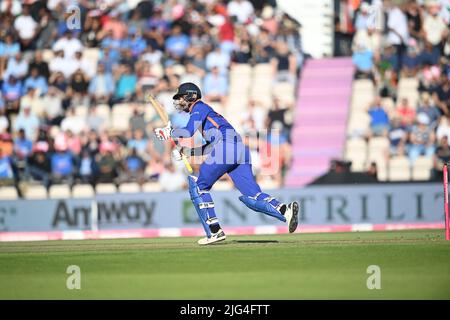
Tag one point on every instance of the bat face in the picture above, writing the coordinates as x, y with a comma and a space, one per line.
157, 106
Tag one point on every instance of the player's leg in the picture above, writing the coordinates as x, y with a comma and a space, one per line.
255, 199
203, 202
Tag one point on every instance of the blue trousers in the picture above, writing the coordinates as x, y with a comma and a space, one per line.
232, 158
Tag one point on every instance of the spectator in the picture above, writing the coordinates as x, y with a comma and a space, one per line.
138, 142
411, 60
94, 121
7, 144
243, 52
114, 26
257, 114
47, 30
69, 44
363, 61
422, 139
137, 121
284, 64
6, 169
106, 164
215, 86
17, 67
363, 17
9, 48
372, 171
62, 164
73, 122
133, 168
53, 112
22, 146
36, 81
92, 27
38, 164
218, 58
171, 179
389, 60
442, 95
430, 55
368, 38
27, 121
78, 89
135, 42
434, 27
101, 86
73, 142
277, 113
241, 10
126, 86
379, 120
397, 24
108, 59
84, 64
415, 21
398, 137
406, 113
92, 143
177, 43
60, 63
147, 79
11, 91
26, 28
443, 129
441, 156
427, 106
86, 170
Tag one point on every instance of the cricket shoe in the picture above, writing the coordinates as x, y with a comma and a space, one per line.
291, 216
215, 237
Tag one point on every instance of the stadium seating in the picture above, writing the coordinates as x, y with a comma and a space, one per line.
151, 187
399, 169
422, 168
83, 191
105, 188
59, 191
129, 188
8, 193
33, 191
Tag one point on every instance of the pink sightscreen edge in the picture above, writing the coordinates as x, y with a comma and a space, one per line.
447, 224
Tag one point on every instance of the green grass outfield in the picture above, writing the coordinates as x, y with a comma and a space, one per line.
414, 265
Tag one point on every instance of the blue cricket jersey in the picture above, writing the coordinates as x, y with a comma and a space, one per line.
212, 125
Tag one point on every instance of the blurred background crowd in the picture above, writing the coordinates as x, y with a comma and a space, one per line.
72, 102
400, 50
74, 75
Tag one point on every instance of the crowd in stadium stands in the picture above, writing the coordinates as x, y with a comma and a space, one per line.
413, 42
48, 75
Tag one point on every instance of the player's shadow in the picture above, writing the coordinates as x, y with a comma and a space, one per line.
255, 241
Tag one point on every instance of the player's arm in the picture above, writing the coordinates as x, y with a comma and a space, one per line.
195, 121
198, 151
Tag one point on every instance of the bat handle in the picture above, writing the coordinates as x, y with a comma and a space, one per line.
183, 157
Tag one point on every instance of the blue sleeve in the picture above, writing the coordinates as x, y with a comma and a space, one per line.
196, 119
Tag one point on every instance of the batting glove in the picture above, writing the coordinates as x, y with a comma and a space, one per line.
176, 155
163, 133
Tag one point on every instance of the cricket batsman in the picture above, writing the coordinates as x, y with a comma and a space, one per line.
225, 153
